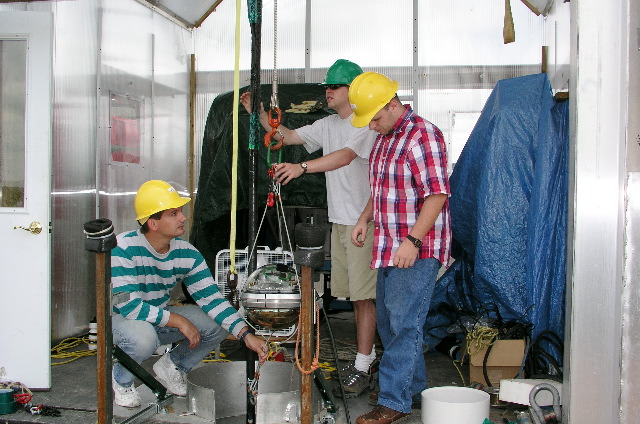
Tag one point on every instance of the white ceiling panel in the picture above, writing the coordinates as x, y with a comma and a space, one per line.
189, 13
539, 7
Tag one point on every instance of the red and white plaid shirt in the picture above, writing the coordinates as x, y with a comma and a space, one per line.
406, 166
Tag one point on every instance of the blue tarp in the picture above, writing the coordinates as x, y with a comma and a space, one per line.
509, 212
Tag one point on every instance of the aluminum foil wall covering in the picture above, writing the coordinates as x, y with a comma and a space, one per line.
629, 409
104, 49
143, 82
73, 183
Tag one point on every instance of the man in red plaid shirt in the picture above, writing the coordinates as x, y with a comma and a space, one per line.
409, 207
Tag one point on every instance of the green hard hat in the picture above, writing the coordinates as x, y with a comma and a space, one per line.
342, 72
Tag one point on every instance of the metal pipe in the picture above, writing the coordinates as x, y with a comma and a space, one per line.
255, 20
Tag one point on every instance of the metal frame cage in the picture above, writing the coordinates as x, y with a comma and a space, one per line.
264, 256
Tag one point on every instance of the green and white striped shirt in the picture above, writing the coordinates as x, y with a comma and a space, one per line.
142, 280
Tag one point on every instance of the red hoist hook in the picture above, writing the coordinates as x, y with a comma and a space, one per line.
271, 196
274, 123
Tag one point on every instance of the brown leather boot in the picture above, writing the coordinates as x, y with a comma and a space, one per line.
415, 404
381, 415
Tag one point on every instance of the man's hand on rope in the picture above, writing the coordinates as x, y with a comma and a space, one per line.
245, 100
285, 172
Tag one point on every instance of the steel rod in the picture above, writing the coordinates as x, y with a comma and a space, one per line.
255, 20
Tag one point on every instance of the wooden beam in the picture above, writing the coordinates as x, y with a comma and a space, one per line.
166, 13
192, 135
207, 13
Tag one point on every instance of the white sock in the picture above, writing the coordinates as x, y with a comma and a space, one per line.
363, 362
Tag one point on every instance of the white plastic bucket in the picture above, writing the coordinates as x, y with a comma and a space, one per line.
459, 405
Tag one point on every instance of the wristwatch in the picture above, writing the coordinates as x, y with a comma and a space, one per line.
417, 243
304, 167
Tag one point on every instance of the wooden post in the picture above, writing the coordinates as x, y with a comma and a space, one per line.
105, 338
100, 239
306, 336
310, 254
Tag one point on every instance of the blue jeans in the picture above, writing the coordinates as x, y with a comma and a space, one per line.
140, 339
403, 297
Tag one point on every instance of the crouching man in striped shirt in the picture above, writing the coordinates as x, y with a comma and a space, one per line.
145, 266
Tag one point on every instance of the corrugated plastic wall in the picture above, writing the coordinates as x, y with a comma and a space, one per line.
446, 56
109, 49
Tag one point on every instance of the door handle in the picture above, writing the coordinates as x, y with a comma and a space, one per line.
33, 228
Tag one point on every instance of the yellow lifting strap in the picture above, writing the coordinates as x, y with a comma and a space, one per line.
234, 158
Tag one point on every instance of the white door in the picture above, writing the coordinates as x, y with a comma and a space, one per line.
25, 181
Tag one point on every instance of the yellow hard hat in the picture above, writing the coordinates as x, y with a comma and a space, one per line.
368, 93
155, 196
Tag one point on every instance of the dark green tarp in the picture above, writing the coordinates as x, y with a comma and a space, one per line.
211, 220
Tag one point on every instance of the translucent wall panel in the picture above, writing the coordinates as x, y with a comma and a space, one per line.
469, 32
375, 34
215, 41
74, 165
455, 112
215, 53
144, 61
446, 55
461, 55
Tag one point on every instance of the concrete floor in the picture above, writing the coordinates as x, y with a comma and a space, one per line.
73, 390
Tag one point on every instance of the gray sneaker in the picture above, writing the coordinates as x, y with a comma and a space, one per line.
343, 371
355, 382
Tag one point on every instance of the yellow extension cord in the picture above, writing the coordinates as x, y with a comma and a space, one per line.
63, 350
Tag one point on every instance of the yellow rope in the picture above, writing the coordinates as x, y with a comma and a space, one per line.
478, 339
234, 158
60, 350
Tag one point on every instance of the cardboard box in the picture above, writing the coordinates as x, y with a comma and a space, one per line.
504, 362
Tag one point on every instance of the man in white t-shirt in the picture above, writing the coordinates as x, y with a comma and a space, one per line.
345, 161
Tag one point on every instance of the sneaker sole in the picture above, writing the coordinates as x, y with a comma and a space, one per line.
128, 406
350, 395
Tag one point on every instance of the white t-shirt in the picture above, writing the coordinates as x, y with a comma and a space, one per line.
348, 187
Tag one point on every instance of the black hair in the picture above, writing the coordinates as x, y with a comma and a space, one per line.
144, 228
